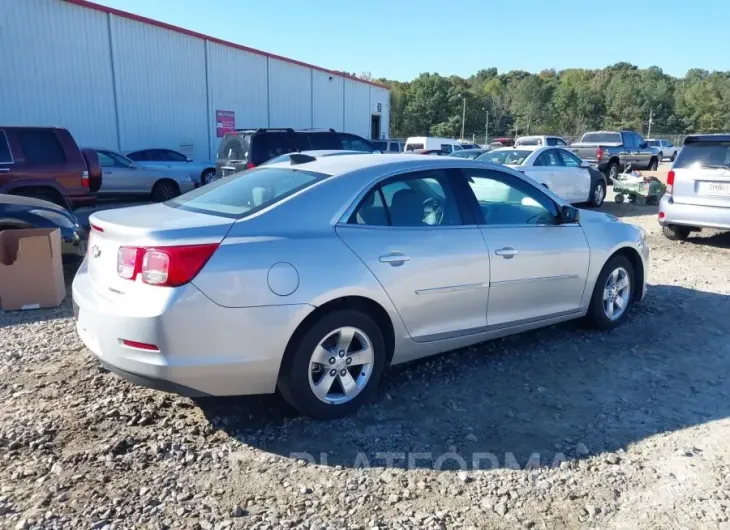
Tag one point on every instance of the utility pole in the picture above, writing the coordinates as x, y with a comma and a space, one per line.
463, 117
486, 129
651, 118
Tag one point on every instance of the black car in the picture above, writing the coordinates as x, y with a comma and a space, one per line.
23, 212
248, 148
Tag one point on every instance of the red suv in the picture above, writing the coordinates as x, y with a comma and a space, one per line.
46, 163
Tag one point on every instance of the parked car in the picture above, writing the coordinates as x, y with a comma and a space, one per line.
432, 152
504, 141
540, 141
613, 151
555, 168
698, 187
218, 292
428, 143
45, 163
471, 154
201, 171
388, 146
465, 145
25, 212
665, 148
318, 154
248, 148
124, 176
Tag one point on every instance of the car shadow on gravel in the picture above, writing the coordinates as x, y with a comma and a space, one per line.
716, 239
627, 209
531, 399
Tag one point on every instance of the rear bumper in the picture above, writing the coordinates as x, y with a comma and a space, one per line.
78, 201
693, 215
204, 349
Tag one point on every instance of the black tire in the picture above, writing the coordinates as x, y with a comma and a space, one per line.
619, 198
674, 156
596, 200
164, 190
612, 171
207, 176
661, 156
676, 232
294, 374
653, 164
596, 316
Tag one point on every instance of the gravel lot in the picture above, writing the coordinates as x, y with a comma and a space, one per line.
560, 428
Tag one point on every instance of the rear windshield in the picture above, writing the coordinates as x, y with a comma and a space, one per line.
233, 147
413, 147
704, 155
511, 156
529, 141
380, 146
246, 192
653, 143
601, 138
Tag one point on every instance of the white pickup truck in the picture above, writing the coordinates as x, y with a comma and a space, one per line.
665, 148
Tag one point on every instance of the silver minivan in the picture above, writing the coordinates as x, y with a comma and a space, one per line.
698, 187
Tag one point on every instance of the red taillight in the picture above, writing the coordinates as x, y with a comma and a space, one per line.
139, 345
250, 165
670, 181
85, 180
97, 228
163, 266
661, 215
599, 153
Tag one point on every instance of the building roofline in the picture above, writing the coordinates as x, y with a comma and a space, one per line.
178, 29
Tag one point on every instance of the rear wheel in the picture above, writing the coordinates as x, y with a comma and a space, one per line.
165, 190
207, 177
676, 232
598, 194
619, 198
612, 171
674, 156
336, 365
612, 294
661, 156
654, 164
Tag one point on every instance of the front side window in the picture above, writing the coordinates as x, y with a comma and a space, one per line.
513, 157
507, 200
421, 199
5, 156
41, 147
113, 160
560, 141
549, 158
569, 159
247, 192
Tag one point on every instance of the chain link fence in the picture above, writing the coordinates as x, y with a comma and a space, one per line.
674, 138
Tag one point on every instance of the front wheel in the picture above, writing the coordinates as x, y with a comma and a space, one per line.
335, 367
207, 177
612, 294
164, 191
654, 164
598, 194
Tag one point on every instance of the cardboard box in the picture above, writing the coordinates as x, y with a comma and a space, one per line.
31, 270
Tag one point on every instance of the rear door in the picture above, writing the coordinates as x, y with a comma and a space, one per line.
702, 173
538, 268
42, 156
425, 251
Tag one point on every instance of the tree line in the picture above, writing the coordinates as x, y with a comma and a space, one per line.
567, 102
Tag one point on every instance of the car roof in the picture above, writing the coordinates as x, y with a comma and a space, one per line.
716, 137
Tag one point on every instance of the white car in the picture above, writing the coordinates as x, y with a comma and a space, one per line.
665, 148
540, 141
555, 168
429, 143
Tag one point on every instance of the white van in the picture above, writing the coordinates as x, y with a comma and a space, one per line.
447, 145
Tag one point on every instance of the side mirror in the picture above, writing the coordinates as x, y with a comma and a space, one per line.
569, 214
585, 164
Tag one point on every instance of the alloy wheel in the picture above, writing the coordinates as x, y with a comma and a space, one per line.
616, 293
599, 195
341, 365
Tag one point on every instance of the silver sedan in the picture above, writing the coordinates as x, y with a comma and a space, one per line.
123, 176
315, 274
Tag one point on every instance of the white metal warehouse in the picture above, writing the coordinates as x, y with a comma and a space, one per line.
125, 82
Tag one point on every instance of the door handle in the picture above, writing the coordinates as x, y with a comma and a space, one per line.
507, 252
394, 258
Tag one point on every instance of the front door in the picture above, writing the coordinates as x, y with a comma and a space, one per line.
410, 232
549, 170
538, 268
578, 176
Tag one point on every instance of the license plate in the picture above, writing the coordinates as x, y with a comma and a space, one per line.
716, 188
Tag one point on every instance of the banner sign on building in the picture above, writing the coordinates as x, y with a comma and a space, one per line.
225, 122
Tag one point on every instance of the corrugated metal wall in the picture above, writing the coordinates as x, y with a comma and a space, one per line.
125, 84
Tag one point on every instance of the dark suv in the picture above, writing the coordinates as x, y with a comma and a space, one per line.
45, 163
248, 148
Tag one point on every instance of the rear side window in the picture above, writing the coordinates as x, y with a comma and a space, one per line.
5, 156
269, 145
549, 158
394, 147
41, 147
247, 192
139, 156
234, 147
704, 155
323, 141
351, 142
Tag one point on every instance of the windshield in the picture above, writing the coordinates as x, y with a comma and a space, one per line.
704, 155
601, 138
247, 192
514, 157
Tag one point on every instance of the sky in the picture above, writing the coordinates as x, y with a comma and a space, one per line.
399, 39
